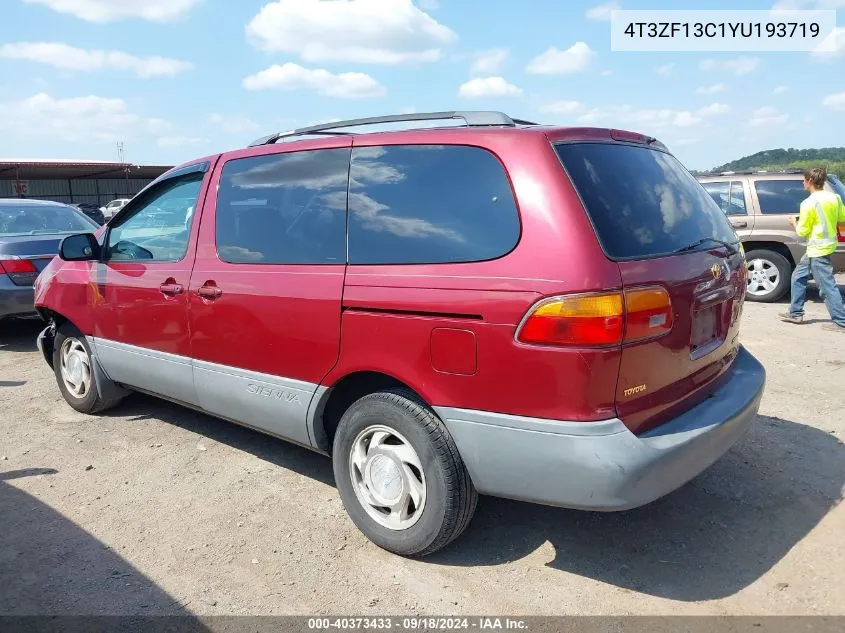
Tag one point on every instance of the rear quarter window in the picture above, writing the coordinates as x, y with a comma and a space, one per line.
642, 202
429, 204
780, 196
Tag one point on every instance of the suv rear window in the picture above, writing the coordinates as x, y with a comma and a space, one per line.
642, 202
780, 196
837, 185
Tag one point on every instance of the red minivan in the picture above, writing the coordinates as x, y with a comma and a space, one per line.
539, 313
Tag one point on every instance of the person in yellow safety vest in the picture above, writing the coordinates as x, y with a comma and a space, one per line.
822, 215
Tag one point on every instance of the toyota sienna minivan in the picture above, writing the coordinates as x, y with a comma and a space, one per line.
539, 313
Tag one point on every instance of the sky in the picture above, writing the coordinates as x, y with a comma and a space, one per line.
177, 79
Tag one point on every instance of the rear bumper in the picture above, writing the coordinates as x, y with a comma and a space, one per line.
15, 300
602, 465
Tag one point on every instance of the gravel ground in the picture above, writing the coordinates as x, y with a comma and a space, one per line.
154, 509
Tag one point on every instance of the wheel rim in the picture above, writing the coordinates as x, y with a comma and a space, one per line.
75, 365
387, 477
763, 277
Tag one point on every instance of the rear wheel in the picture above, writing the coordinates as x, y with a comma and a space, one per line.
769, 275
400, 476
73, 365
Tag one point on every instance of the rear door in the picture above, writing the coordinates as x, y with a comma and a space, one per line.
140, 307
265, 294
654, 219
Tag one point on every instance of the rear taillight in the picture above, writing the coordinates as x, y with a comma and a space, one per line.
17, 266
599, 319
841, 235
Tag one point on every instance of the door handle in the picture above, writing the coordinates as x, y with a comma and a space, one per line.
171, 288
209, 291
739, 224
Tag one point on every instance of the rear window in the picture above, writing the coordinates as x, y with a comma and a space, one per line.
45, 219
642, 202
780, 196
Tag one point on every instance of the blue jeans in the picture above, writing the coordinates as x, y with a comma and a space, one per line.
822, 271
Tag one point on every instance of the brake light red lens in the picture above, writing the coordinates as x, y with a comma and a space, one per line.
841, 235
17, 266
600, 319
595, 319
648, 313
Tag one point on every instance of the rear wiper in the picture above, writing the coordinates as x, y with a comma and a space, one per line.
704, 240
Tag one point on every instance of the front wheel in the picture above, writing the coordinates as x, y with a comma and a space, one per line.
769, 276
400, 476
73, 365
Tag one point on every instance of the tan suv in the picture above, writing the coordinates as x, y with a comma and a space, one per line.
758, 205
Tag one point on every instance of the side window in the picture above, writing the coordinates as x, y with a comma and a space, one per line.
159, 225
429, 204
284, 208
780, 196
736, 202
720, 192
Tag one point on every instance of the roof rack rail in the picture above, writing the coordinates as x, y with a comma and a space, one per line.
471, 118
752, 172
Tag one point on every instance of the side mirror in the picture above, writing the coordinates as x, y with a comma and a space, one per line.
79, 247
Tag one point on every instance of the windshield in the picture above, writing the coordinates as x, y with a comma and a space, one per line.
38, 219
642, 202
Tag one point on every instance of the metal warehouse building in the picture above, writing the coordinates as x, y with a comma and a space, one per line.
74, 181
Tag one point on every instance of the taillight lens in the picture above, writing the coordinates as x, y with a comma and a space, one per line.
648, 313
599, 319
17, 266
594, 319
841, 235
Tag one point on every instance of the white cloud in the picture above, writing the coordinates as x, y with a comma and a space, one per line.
664, 70
352, 31
711, 89
563, 108
832, 46
779, 90
714, 109
767, 117
487, 62
429, 5
294, 77
75, 119
835, 101
655, 120
554, 61
234, 124
67, 57
737, 66
179, 141
112, 10
485, 87
602, 11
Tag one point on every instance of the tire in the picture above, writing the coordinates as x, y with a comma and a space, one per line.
769, 263
78, 363
390, 419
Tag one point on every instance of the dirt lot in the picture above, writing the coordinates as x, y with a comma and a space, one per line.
154, 509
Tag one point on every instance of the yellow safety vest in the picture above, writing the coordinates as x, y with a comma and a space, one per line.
820, 215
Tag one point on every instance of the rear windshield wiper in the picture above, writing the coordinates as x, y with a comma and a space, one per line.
704, 240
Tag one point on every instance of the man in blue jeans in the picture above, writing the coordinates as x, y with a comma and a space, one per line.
822, 213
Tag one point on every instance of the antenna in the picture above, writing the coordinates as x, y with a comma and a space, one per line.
120, 151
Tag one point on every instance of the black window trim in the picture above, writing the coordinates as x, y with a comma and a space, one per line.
171, 176
461, 263
632, 258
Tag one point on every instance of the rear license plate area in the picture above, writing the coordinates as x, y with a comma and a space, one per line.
706, 330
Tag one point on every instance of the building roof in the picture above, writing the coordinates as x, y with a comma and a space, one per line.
29, 169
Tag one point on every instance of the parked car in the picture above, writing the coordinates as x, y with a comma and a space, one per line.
93, 211
113, 207
30, 234
539, 313
759, 205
